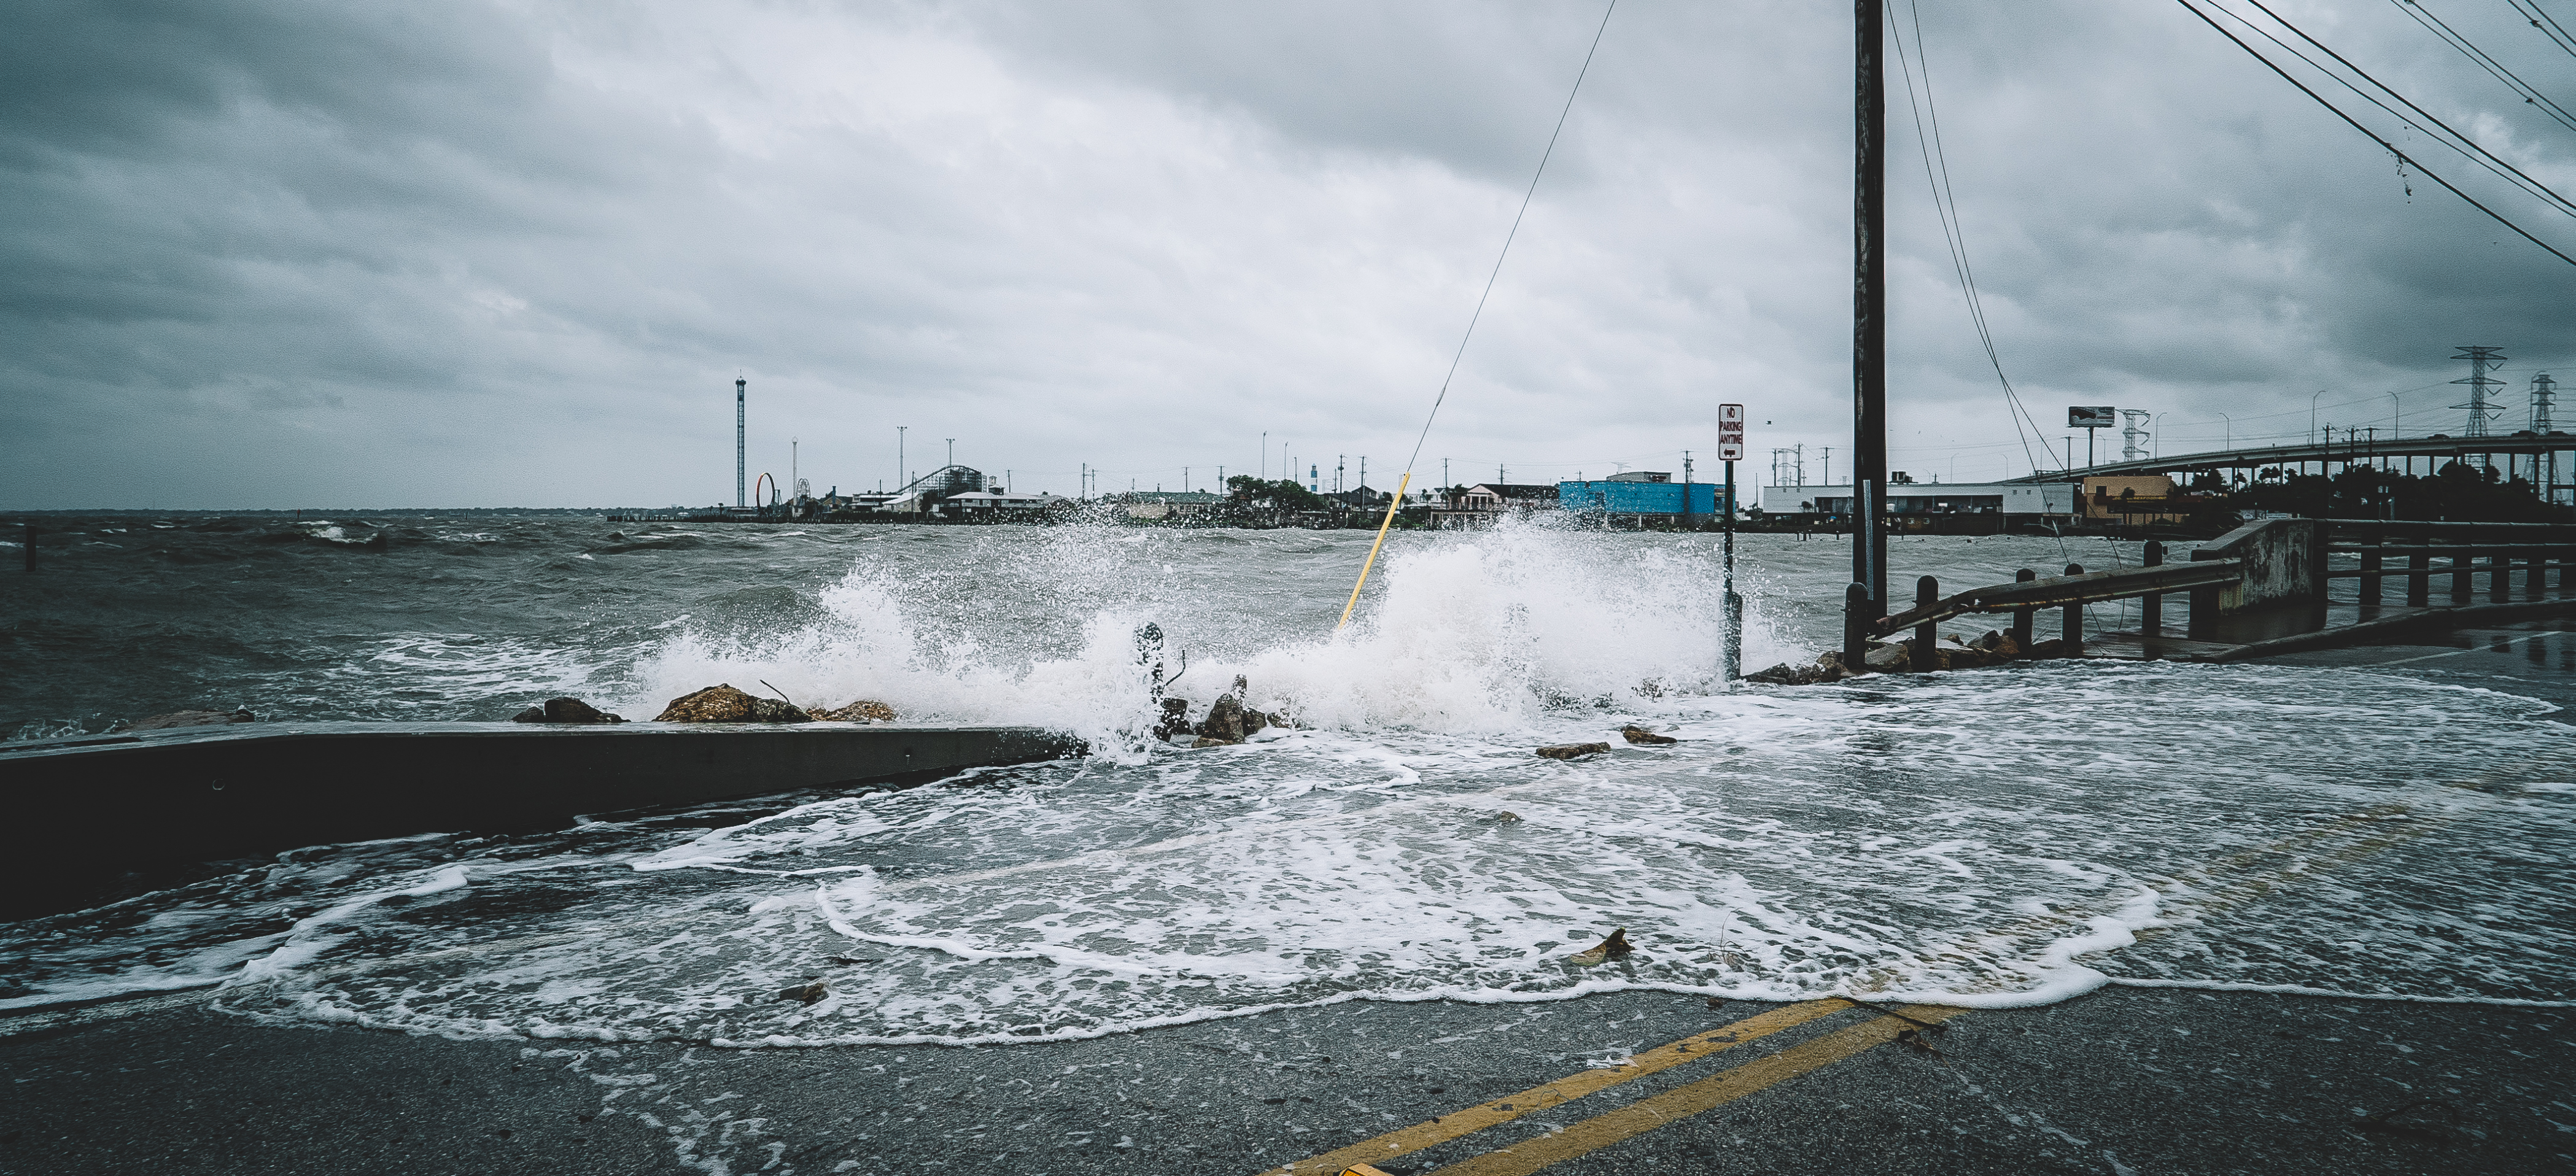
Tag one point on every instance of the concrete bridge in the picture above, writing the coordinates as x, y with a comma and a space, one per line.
2523, 450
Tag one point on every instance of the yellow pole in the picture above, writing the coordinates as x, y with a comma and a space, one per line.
1397, 501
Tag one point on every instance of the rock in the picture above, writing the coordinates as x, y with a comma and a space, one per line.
1614, 948
1204, 741
1505, 817
724, 704
805, 993
573, 710
193, 719
865, 710
1785, 674
1997, 642
1176, 719
1567, 751
1636, 734
534, 714
1891, 658
1224, 721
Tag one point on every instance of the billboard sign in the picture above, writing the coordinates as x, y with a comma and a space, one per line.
1730, 432
2092, 416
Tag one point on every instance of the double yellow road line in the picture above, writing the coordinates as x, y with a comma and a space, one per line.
2232, 881
1638, 1117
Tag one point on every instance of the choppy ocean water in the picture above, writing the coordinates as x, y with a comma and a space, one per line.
2004, 836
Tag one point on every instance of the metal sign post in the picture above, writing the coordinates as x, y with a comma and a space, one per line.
1730, 448
2091, 418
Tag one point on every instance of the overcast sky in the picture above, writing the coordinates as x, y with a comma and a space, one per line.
280, 254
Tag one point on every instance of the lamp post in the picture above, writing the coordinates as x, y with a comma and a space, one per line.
2312, 412
2231, 429
2396, 417
2156, 437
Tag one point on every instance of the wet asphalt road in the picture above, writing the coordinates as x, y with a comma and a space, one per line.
2122, 1081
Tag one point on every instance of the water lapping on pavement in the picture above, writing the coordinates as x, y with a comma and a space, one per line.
2007, 836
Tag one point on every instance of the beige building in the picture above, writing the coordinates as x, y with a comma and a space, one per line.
2133, 499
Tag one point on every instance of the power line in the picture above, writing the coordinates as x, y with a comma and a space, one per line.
2557, 33
1515, 232
1945, 203
2391, 148
2482, 157
2452, 38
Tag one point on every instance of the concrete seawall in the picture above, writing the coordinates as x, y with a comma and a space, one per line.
94, 807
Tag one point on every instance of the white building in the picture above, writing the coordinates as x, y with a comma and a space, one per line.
1920, 498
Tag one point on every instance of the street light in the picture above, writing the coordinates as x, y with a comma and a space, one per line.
2396, 415
2231, 429
2156, 434
2312, 412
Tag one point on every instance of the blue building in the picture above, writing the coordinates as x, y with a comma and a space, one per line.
1640, 493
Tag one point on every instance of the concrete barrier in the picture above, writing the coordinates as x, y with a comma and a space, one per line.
101, 805
2284, 563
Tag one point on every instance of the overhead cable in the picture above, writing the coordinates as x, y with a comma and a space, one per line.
2452, 38
2472, 151
2556, 32
1945, 203
1509, 237
2391, 148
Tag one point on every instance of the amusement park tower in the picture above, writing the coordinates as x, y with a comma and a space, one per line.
737, 441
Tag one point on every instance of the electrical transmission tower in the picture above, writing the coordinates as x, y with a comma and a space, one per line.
2481, 361
2133, 435
2542, 387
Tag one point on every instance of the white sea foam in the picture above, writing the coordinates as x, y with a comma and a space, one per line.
2010, 837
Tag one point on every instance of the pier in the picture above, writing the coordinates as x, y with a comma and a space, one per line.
2264, 589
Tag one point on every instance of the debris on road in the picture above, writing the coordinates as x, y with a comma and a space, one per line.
1567, 751
1614, 948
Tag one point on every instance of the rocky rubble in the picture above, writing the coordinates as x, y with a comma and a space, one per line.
565, 710
1567, 751
1995, 648
865, 710
724, 704
1228, 721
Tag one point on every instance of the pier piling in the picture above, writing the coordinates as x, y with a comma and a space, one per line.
2021, 616
2370, 560
2461, 575
2419, 579
2151, 607
1856, 625
2071, 630
1927, 592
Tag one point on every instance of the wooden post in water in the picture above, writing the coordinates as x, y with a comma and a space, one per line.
2500, 577
2370, 556
1856, 626
2021, 616
2151, 607
1927, 591
2461, 587
30, 550
2071, 630
2419, 579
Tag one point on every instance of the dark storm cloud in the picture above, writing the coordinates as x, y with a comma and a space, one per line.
289, 254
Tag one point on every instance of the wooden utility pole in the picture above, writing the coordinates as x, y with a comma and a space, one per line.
1869, 331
